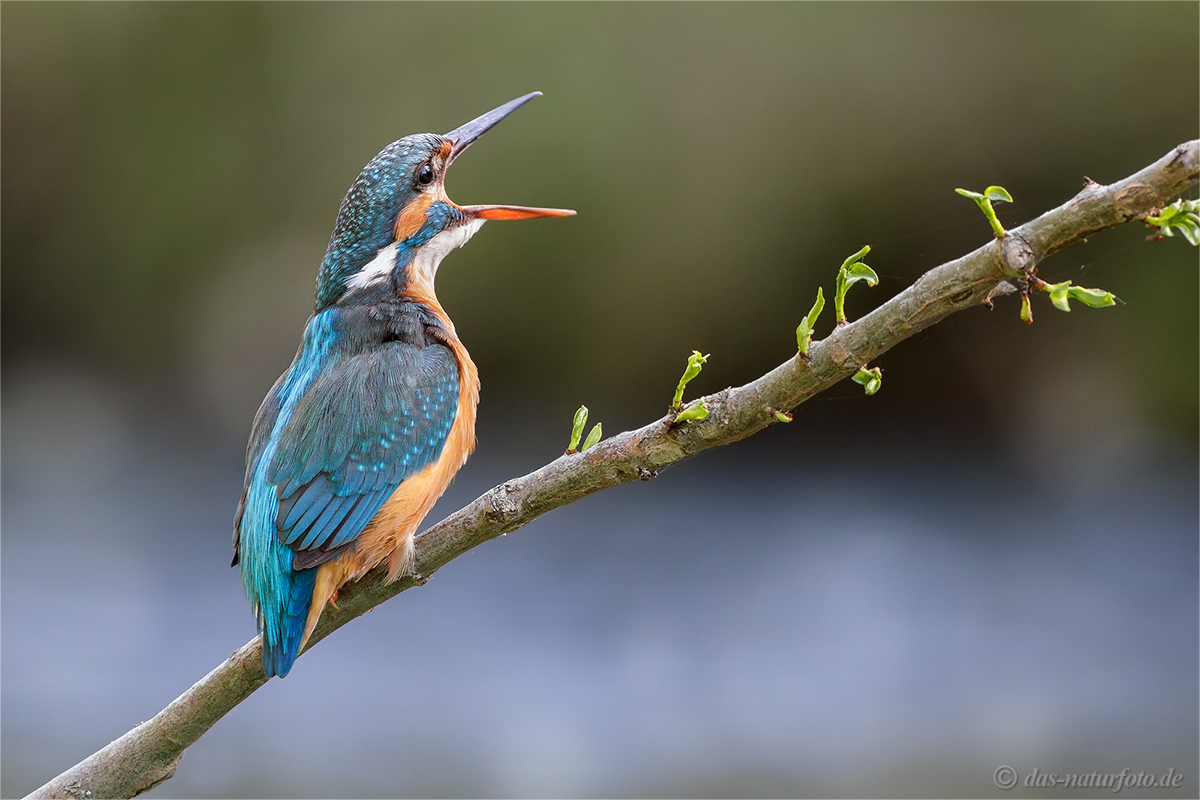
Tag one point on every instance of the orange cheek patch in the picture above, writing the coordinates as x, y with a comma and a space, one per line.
412, 217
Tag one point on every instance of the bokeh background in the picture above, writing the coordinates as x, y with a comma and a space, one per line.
991, 562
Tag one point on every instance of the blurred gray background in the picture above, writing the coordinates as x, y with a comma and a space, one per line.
991, 562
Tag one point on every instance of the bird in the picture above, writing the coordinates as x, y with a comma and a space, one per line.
365, 430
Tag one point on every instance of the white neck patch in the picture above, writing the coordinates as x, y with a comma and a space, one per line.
425, 261
429, 256
377, 269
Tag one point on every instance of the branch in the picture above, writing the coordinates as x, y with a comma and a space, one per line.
149, 754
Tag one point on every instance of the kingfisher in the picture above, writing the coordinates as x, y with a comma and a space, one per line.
365, 430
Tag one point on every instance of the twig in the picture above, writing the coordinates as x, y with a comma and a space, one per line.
149, 754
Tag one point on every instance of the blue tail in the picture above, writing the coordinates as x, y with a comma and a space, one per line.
279, 595
281, 641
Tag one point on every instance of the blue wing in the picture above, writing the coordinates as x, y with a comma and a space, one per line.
367, 423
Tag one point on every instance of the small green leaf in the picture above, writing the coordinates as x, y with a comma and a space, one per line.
861, 272
804, 333
694, 364
782, 416
577, 428
693, 413
851, 272
984, 201
870, 379
1026, 308
1062, 293
1058, 295
592, 437
997, 194
1180, 216
1095, 298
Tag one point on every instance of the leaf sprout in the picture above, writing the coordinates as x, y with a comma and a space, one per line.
577, 429
852, 271
1183, 216
804, 333
992, 194
694, 365
870, 379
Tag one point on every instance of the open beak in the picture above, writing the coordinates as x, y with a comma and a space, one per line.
463, 136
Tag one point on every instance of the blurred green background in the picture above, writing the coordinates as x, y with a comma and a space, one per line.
171, 173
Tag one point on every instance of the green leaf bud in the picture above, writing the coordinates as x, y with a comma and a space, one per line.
694, 365
851, 272
592, 438
870, 379
693, 413
804, 333
577, 428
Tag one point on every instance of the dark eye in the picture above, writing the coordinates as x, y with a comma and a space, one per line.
425, 176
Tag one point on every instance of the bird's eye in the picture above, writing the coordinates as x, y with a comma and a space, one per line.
425, 176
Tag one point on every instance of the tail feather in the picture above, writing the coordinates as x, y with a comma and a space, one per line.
281, 643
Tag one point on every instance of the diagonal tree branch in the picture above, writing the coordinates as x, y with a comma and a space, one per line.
149, 754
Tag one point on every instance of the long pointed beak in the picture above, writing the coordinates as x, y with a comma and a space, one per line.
462, 137
515, 212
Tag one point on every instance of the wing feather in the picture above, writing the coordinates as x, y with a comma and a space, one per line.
365, 508
367, 423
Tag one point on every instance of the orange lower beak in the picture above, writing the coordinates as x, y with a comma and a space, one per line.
514, 212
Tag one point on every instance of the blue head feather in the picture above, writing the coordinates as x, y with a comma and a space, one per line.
368, 213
